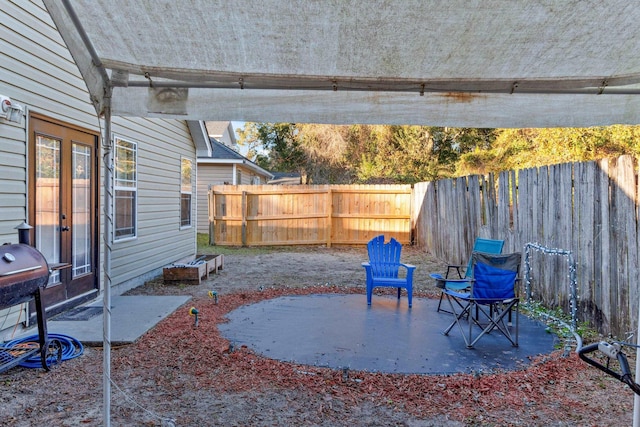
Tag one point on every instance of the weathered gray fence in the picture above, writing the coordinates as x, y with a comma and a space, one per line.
589, 208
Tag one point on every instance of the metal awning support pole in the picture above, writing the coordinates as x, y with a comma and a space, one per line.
107, 148
95, 72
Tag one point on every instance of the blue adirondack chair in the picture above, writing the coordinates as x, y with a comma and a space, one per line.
383, 268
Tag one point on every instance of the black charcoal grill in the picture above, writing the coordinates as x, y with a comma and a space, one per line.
24, 273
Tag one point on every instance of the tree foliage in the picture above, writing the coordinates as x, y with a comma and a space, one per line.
332, 154
273, 146
526, 148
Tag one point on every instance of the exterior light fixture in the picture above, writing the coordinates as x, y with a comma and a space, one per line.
10, 110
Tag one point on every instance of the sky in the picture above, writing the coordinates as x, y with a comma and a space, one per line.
243, 149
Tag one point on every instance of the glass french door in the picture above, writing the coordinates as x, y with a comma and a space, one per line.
63, 206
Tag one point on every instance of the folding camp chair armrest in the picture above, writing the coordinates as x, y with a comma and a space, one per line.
457, 294
440, 281
464, 280
457, 284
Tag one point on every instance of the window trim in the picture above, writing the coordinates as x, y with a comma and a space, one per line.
134, 236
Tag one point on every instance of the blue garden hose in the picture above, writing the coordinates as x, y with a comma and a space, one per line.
71, 348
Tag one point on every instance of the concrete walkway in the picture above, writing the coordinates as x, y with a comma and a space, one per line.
131, 317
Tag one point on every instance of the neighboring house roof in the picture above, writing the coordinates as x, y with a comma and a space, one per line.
285, 178
221, 151
221, 154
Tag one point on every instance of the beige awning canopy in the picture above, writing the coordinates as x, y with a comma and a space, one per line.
486, 63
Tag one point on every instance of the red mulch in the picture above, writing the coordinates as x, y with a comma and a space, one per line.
552, 390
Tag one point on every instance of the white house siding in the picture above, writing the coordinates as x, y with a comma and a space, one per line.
37, 71
12, 181
247, 176
208, 175
160, 239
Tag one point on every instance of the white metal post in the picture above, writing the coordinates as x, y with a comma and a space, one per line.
108, 155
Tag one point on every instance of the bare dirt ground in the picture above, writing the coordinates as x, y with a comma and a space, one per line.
185, 376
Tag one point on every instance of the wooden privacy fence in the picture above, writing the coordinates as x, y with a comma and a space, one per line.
253, 215
588, 208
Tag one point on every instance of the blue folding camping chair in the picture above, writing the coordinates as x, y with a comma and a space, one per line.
492, 295
460, 283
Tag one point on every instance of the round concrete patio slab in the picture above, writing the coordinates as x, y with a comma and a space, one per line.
341, 331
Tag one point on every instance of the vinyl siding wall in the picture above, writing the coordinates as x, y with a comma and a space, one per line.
246, 177
37, 71
160, 239
209, 175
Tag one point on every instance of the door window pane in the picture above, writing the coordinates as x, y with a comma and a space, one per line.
81, 173
48, 201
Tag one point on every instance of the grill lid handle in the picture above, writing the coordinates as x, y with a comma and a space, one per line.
9, 273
